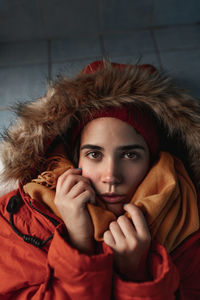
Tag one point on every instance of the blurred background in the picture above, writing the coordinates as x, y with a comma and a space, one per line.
40, 39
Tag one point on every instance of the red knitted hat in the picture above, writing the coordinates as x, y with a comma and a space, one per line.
142, 121
99, 64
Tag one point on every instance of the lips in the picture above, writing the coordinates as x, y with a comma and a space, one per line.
112, 198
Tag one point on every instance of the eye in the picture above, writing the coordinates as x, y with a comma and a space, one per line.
130, 155
96, 155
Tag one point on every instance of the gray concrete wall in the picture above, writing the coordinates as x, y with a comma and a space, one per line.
41, 39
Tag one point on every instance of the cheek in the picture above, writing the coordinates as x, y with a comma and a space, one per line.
88, 171
136, 175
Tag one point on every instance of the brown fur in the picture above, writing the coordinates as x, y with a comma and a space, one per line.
39, 122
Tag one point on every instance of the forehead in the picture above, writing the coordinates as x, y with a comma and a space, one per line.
110, 130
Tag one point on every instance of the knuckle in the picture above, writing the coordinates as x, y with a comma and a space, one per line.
106, 234
121, 219
133, 243
135, 209
87, 196
87, 193
81, 184
70, 177
113, 225
66, 173
60, 180
145, 235
70, 171
123, 248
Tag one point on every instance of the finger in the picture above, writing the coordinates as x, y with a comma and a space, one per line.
79, 188
138, 220
67, 181
126, 226
108, 239
85, 197
117, 233
62, 178
71, 171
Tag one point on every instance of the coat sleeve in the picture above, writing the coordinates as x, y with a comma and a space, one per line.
175, 277
164, 281
63, 273
82, 276
187, 259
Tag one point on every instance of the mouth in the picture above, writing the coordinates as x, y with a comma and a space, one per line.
112, 198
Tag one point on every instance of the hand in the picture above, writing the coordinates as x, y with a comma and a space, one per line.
130, 242
73, 191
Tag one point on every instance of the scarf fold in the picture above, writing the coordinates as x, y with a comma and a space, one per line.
166, 196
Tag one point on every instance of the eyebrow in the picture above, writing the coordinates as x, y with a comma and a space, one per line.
89, 146
121, 148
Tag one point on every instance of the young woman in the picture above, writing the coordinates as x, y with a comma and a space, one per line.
107, 207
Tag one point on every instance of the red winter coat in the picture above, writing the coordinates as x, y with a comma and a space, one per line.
58, 271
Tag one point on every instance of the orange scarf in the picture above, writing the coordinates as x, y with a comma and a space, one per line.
166, 196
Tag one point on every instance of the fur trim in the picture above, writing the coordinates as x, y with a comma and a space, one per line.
69, 100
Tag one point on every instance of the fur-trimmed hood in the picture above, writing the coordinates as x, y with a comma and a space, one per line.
68, 100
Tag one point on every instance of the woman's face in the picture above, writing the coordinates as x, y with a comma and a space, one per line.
115, 158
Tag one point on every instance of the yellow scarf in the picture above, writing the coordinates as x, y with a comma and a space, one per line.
166, 196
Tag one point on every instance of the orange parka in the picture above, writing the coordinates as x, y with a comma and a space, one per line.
36, 259
58, 271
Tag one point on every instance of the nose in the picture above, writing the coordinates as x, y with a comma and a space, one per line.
111, 174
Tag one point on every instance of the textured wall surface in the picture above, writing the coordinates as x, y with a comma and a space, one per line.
40, 39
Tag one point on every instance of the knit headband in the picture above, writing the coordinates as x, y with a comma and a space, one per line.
140, 120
